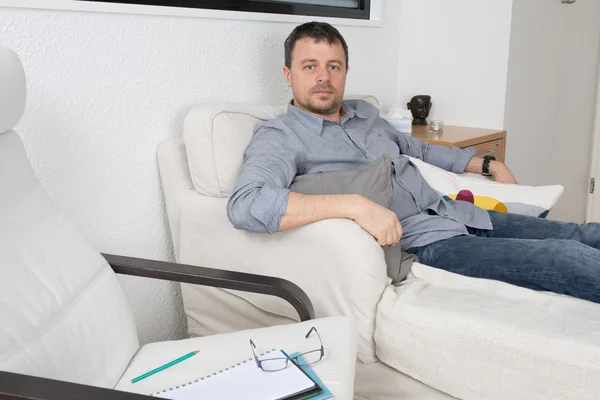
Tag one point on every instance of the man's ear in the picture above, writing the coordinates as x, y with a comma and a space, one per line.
287, 74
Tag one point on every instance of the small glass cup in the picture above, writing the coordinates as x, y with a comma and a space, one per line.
436, 127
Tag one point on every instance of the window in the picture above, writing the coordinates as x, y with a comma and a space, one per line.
355, 9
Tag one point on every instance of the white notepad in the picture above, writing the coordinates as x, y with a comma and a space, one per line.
244, 380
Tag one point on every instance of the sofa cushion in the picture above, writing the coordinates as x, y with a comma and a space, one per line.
373, 182
484, 339
536, 201
216, 137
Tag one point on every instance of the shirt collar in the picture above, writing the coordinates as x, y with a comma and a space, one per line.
315, 123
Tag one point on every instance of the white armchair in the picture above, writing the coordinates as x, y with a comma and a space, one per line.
438, 328
66, 328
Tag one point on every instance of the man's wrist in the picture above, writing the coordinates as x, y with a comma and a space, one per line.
354, 205
485, 165
494, 166
475, 165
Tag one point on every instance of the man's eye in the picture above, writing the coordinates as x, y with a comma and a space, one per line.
310, 67
333, 67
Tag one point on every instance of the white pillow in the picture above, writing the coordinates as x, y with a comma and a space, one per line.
535, 201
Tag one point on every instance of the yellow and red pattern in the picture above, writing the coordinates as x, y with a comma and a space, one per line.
485, 202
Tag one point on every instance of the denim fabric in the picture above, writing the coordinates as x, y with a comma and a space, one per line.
525, 251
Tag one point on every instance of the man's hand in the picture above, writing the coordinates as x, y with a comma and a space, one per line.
501, 173
380, 222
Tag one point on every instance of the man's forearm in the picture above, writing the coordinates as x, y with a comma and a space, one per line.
475, 165
499, 171
304, 209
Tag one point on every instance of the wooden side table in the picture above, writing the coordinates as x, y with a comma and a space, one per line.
487, 142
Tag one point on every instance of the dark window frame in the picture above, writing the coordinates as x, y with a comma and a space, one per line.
361, 12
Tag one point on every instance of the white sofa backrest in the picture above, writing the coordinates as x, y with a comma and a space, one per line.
63, 313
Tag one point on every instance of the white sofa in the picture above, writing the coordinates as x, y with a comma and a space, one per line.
434, 336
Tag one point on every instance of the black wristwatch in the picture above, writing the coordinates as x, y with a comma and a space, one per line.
485, 168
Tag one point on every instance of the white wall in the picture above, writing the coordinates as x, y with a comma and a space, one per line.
105, 89
457, 52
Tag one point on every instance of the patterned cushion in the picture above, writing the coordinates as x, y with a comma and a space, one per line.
535, 201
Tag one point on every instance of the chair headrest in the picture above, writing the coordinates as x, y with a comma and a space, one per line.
12, 89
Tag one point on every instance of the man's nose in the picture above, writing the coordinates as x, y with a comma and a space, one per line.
323, 76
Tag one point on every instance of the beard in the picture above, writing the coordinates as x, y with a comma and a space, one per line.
313, 104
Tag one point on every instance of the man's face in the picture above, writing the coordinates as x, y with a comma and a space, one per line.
317, 76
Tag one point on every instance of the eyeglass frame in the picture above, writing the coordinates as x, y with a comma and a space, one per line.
288, 358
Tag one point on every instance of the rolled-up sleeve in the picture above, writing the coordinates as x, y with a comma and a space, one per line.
450, 158
261, 193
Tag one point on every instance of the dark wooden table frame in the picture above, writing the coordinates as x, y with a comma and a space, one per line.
18, 386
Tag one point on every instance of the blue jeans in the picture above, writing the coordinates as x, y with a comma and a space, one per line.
525, 251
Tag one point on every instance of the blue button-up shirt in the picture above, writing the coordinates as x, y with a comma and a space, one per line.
299, 143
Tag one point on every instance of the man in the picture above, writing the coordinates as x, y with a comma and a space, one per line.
321, 133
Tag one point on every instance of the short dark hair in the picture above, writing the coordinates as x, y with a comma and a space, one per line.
318, 31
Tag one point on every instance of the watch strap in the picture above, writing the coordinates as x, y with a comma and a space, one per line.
485, 168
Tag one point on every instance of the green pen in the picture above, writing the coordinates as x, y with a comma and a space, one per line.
180, 359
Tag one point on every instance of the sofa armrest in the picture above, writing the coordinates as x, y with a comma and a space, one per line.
26, 387
337, 263
215, 278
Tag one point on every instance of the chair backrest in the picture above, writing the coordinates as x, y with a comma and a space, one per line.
216, 136
63, 314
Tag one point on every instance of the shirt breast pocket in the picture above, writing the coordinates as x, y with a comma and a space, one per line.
378, 144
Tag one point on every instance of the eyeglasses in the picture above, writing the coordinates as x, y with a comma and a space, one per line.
280, 363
